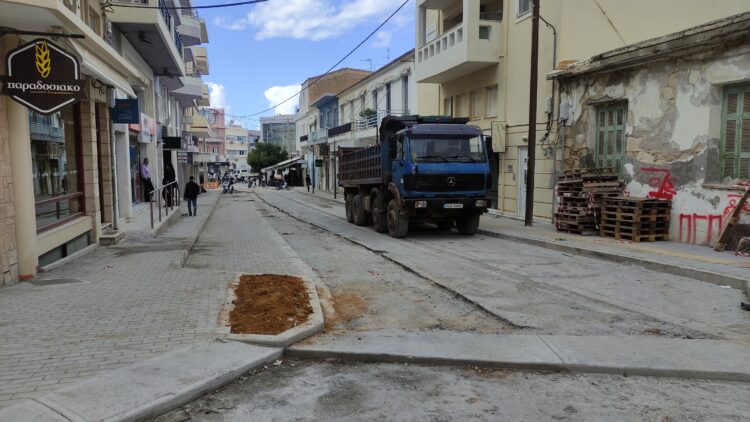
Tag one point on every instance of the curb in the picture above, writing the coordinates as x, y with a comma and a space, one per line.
309, 328
642, 356
694, 273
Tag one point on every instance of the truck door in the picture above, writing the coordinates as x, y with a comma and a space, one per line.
398, 163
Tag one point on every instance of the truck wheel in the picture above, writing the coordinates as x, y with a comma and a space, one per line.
379, 216
348, 204
444, 225
398, 225
358, 209
468, 225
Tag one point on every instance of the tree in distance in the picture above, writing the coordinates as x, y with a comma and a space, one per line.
264, 155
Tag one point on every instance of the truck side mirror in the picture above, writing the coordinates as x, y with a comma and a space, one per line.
392, 148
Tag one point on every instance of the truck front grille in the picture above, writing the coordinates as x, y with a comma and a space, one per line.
447, 183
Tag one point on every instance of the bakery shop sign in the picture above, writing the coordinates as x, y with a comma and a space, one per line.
43, 77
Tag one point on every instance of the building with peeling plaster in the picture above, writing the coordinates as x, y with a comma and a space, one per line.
673, 115
477, 54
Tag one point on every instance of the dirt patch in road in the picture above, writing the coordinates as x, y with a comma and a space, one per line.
348, 306
269, 304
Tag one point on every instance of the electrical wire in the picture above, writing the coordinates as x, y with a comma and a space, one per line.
109, 4
334, 66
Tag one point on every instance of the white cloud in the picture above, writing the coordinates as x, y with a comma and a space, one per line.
311, 19
231, 24
382, 39
218, 96
277, 94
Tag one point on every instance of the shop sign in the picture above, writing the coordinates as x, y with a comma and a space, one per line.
148, 129
182, 157
174, 143
125, 111
43, 77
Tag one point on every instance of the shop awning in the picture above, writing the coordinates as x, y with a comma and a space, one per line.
93, 66
282, 165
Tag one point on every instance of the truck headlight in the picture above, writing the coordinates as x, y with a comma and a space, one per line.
420, 204
481, 203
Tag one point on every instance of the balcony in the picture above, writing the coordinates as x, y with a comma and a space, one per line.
205, 100
340, 130
459, 52
191, 28
198, 57
45, 132
197, 125
318, 137
192, 89
152, 32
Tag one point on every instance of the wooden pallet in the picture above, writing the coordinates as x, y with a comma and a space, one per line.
634, 236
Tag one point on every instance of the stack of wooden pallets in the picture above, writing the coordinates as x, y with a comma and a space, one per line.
636, 219
579, 194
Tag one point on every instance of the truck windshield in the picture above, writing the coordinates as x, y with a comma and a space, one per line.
462, 150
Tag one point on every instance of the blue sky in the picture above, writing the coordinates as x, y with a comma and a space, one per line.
259, 54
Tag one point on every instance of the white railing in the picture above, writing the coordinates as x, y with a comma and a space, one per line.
446, 41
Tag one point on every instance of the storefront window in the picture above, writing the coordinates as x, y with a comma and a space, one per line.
58, 188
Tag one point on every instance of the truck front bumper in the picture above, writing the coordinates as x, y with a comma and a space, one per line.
445, 207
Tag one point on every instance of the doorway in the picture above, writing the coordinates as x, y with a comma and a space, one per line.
523, 166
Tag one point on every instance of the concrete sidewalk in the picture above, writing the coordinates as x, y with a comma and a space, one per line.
648, 356
693, 261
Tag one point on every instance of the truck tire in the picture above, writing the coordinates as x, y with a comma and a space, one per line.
468, 225
348, 204
379, 215
398, 225
444, 225
358, 209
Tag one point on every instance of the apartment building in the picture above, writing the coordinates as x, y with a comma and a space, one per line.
279, 130
237, 145
68, 161
478, 53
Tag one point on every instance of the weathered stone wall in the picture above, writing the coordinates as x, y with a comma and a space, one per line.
672, 136
8, 252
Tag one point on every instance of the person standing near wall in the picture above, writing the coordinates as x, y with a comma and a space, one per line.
146, 179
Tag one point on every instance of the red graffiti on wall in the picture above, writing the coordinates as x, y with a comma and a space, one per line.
663, 184
690, 222
733, 198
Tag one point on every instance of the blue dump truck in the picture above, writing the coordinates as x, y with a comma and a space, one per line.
423, 169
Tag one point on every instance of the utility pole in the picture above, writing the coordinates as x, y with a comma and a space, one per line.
530, 169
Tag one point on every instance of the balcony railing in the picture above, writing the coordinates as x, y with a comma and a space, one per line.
366, 122
447, 40
340, 130
165, 13
41, 129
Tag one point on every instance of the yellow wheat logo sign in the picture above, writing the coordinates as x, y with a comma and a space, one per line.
43, 64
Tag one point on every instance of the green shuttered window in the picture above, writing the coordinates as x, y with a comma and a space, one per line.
610, 136
735, 133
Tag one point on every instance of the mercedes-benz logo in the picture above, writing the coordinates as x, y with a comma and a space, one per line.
451, 181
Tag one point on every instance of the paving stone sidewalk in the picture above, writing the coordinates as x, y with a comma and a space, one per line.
130, 302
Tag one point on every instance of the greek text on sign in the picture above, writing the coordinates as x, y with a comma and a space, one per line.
43, 77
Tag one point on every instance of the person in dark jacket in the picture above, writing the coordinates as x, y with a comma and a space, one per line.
308, 182
192, 190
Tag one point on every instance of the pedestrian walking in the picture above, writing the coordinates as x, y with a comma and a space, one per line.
192, 190
148, 187
308, 182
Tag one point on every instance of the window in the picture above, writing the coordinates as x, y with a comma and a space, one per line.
524, 7
610, 135
735, 133
388, 98
58, 185
405, 91
461, 106
476, 105
375, 99
448, 106
93, 21
492, 101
